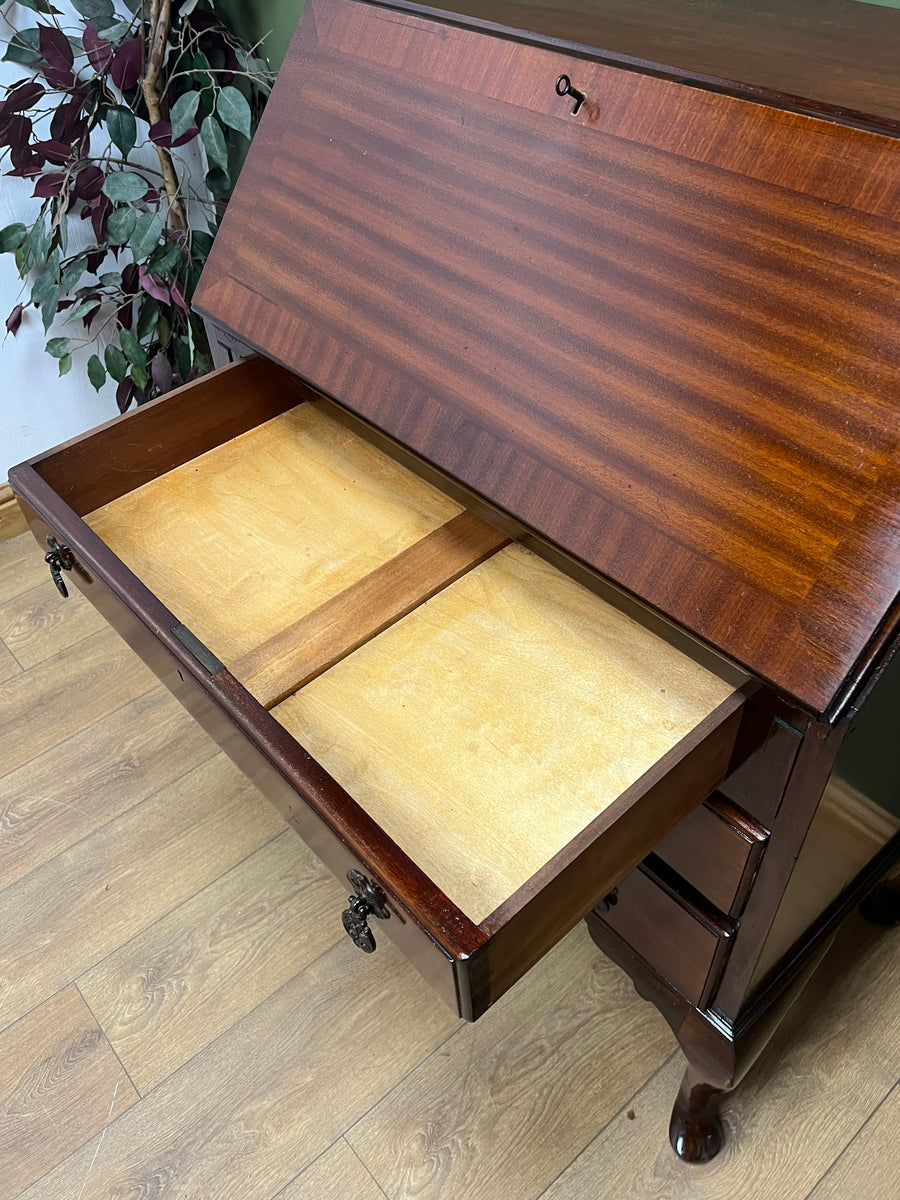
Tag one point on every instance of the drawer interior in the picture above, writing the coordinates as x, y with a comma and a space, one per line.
482, 707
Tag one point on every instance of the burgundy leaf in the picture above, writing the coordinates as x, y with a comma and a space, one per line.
24, 161
17, 133
88, 183
124, 394
125, 315
178, 298
49, 185
27, 172
95, 261
14, 320
67, 123
154, 286
99, 52
151, 197
131, 280
161, 134
64, 304
23, 95
55, 152
161, 372
126, 65
58, 57
5, 122
100, 210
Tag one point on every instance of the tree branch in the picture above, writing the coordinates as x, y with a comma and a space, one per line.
160, 19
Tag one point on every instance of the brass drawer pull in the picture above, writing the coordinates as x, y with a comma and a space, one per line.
365, 903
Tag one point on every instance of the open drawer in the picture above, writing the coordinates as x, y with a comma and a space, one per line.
484, 744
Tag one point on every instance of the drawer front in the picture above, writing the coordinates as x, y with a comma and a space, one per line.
717, 849
683, 943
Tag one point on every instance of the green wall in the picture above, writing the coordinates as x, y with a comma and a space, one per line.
273, 19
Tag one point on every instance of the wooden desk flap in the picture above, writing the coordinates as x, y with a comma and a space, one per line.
662, 332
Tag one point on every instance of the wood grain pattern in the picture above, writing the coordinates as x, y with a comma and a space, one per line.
21, 567
103, 890
261, 530
266, 1098
871, 1156
493, 724
59, 1085
12, 522
112, 765
831, 51
337, 1175
36, 711
686, 381
298, 654
175, 987
39, 623
471, 1123
799, 1106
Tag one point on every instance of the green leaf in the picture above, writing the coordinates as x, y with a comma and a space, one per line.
146, 322
36, 245
49, 306
42, 287
218, 181
96, 372
73, 273
165, 258
58, 346
201, 244
124, 185
183, 358
116, 363
12, 236
233, 110
19, 54
214, 142
62, 231
41, 6
100, 13
123, 131
116, 34
183, 112
134, 351
65, 365
112, 279
81, 310
163, 330
139, 377
120, 226
147, 233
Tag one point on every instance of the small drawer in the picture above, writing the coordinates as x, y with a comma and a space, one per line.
717, 849
684, 943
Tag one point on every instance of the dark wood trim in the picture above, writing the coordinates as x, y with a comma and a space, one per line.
739, 89
119, 456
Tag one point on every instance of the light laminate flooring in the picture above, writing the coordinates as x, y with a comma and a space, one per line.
182, 1017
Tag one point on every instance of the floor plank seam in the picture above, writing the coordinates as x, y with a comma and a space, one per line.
365, 1168
14, 657
245, 1016
112, 1048
456, 1033
837, 1158
309, 1166
628, 1104
118, 816
181, 903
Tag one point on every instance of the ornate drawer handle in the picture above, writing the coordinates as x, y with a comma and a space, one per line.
365, 903
58, 558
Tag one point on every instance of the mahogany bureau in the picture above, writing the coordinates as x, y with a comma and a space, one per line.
541, 544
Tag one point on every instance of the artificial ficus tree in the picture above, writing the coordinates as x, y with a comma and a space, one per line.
131, 122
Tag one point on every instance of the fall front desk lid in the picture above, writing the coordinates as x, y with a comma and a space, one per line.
660, 331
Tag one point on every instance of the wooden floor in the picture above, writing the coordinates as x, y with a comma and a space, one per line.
181, 1015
